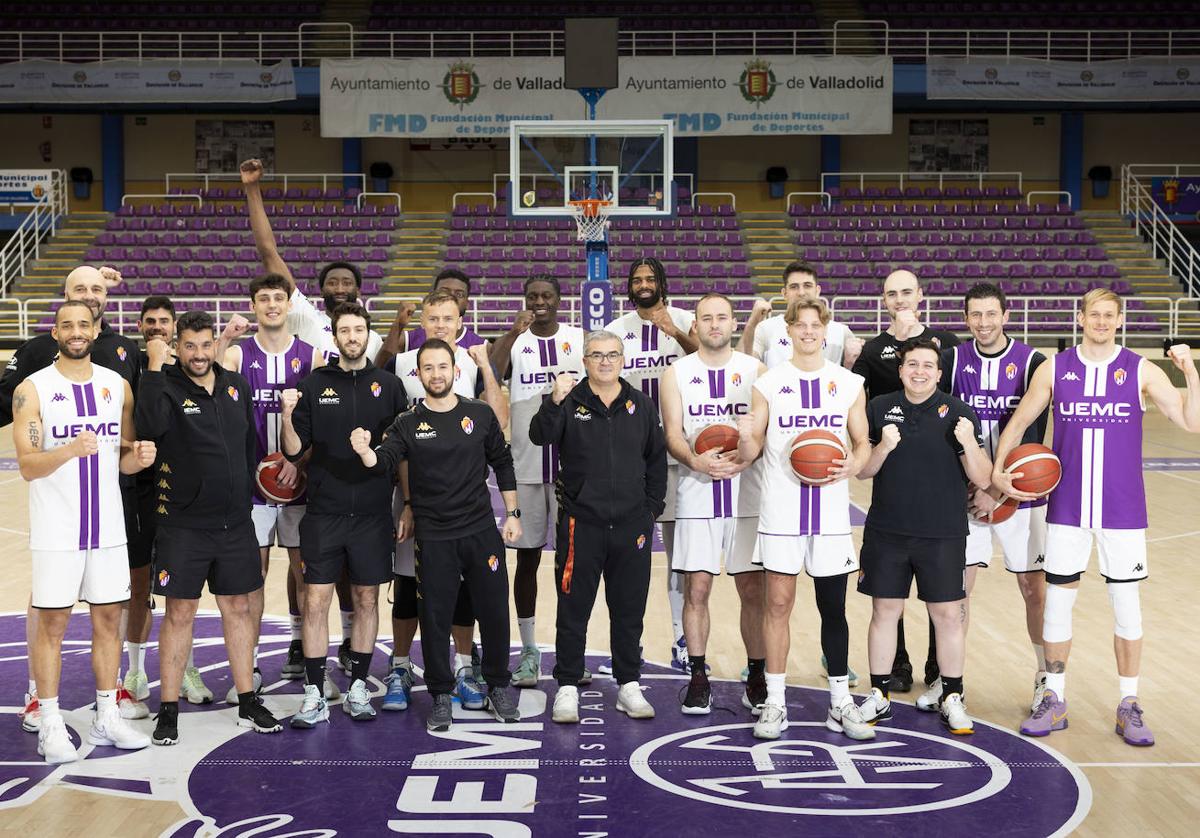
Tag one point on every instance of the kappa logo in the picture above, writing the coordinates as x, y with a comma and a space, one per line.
329, 396
528, 350
1138, 568
190, 408
895, 414
164, 468
786, 389
468, 425
58, 397
412, 373
162, 510
254, 365
1070, 376
969, 368
785, 341
583, 414
630, 336
1010, 371
696, 380
425, 431
163, 484
888, 353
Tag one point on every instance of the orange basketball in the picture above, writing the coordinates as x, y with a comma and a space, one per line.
812, 455
267, 478
1001, 513
1039, 467
721, 437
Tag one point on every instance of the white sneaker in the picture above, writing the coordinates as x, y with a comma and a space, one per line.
632, 703
138, 685
332, 693
566, 705
1039, 690
31, 715
954, 715
772, 721
930, 701
130, 707
194, 690
109, 728
847, 718
231, 696
54, 743
875, 708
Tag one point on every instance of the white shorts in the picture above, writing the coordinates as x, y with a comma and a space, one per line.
277, 525
1122, 552
816, 555
404, 559
63, 577
672, 491
701, 543
539, 512
1022, 540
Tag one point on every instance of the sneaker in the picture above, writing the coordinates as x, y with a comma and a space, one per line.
586, 678
847, 718
293, 668
1049, 716
679, 657
231, 696
258, 718
755, 693
1130, 725
344, 655
313, 710
772, 721
358, 702
166, 731
110, 728
138, 686
332, 693
529, 670
932, 673
31, 715
606, 668
441, 715
698, 701
566, 705
476, 663
54, 743
193, 689
467, 689
1039, 690
851, 675
875, 708
399, 688
632, 703
930, 701
129, 707
501, 705
954, 715
745, 676
902, 679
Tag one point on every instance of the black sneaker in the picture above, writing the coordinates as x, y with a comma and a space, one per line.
698, 701
258, 718
293, 670
755, 694
932, 673
902, 679
344, 662
441, 715
501, 705
166, 732
476, 663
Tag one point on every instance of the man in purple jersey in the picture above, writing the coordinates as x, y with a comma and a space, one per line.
1099, 391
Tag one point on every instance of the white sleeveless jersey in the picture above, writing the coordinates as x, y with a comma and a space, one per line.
713, 396
78, 506
535, 363
800, 401
466, 375
773, 344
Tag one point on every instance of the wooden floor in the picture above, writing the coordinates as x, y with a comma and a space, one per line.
1149, 791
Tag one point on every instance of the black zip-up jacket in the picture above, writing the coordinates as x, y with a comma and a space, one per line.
206, 462
333, 402
612, 460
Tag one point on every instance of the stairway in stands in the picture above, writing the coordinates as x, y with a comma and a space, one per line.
61, 254
1130, 254
419, 245
770, 246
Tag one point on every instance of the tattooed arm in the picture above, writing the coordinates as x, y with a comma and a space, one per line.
29, 436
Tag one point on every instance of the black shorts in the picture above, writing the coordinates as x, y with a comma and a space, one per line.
889, 562
184, 559
362, 545
145, 522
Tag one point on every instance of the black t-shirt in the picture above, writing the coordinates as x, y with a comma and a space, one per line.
879, 362
921, 490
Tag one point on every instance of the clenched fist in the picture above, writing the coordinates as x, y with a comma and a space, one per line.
251, 171
360, 441
1181, 356
889, 437
288, 399
235, 328
964, 432
563, 385
906, 323
158, 352
84, 445
761, 310
662, 319
522, 323
145, 451
112, 277
479, 354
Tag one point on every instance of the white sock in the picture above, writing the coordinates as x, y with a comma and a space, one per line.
525, 625
1039, 652
347, 621
776, 689
1057, 681
839, 688
137, 656
1129, 686
191, 664
675, 598
462, 661
256, 657
105, 700
297, 622
32, 690
49, 707
400, 660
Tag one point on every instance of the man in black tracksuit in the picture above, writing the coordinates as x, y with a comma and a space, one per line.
611, 485
200, 417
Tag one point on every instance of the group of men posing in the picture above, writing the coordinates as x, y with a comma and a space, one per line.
394, 440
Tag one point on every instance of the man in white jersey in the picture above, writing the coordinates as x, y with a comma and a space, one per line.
767, 338
718, 495
1099, 391
803, 527
73, 433
653, 336
531, 354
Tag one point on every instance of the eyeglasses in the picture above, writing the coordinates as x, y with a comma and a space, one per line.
597, 357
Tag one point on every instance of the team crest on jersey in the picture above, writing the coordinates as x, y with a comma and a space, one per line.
566, 347
467, 425
630, 407
493, 563
457, 372
105, 394
376, 389
233, 393
641, 541
936, 342
736, 379
295, 366
1119, 376
121, 352
163, 578
58, 397
831, 388
943, 409
1010, 371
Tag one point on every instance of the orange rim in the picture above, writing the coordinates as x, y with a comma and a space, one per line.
590, 206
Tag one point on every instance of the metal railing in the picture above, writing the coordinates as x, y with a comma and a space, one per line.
697, 195
40, 222
190, 179
161, 196
358, 202
825, 197
1145, 172
1029, 195
1155, 226
924, 178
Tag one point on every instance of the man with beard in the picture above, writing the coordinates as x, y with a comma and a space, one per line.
347, 527
653, 336
201, 417
455, 283
70, 413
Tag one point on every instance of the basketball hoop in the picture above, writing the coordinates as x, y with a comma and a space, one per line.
591, 217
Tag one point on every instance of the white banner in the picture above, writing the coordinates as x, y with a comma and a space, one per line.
1032, 79
145, 81
705, 95
24, 186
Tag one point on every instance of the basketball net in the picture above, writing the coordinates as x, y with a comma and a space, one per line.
591, 218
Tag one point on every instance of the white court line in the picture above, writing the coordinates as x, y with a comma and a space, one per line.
1176, 476
1138, 764
14, 532
1169, 537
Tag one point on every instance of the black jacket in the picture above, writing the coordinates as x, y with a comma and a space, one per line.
206, 455
613, 460
333, 402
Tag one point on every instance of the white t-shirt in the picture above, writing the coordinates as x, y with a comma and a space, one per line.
313, 326
773, 345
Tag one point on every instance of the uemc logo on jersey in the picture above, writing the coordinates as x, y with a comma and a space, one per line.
74, 429
543, 377
738, 409
1095, 410
811, 420
645, 362
265, 395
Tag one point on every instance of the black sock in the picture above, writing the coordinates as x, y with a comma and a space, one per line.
171, 706
360, 665
314, 672
952, 685
932, 654
696, 662
901, 649
757, 666
246, 701
883, 683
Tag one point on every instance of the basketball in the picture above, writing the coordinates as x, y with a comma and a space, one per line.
1001, 513
721, 437
267, 475
812, 456
529, 198
1039, 466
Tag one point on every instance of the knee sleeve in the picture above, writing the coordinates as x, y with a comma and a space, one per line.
1059, 579
464, 612
1127, 609
830, 595
404, 598
1056, 618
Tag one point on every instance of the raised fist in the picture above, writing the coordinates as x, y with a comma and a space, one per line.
288, 399
479, 354
145, 451
112, 277
890, 437
662, 319
563, 385
360, 441
251, 171
964, 431
404, 313
1181, 356
158, 352
235, 328
761, 310
523, 322
84, 445
906, 322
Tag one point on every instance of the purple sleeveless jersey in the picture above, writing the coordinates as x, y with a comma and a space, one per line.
268, 375
1098, 437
